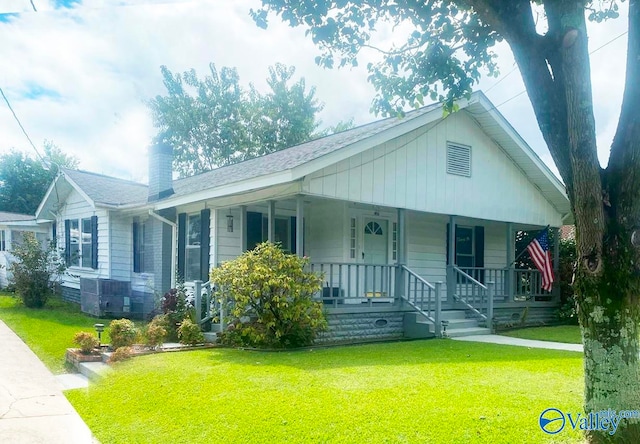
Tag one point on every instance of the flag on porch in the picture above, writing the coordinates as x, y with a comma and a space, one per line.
541, 256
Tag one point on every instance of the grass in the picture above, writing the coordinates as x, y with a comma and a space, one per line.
48, 331
560, 333
434, 391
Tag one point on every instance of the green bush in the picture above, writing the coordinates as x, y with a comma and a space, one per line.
567, 311
36, 271
189, 333
270, 299
175, 308
156, 331
86, 341
123, 333
121, 354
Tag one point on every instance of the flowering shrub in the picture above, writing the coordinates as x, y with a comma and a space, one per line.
86, 341
271, 299
121, 354
156, 331
123, 333
189, 333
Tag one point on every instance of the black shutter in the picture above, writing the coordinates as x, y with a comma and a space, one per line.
94, 242
294, 234
182, 243
67, 241
254, 229
479, 252
54, 234
205, 217
136, 247
447, 248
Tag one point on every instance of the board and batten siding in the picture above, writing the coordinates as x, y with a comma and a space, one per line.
410, 172
76, 207
327, 226
228, 245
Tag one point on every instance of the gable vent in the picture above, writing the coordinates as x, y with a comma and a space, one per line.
458, 159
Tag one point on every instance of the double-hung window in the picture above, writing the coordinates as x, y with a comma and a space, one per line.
140, 260
81, 242
192, 247
3, 240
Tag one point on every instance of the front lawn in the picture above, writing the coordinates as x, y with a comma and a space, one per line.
435, 391
559, 333
48, 331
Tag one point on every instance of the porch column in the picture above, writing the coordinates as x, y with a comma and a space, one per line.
556, 264
299, 226
271, 221
401, 253
243, 228
452, 259
508, 284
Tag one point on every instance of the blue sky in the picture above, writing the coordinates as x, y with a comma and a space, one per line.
80, 75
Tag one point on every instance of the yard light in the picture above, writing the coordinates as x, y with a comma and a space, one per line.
445, 323
99, 329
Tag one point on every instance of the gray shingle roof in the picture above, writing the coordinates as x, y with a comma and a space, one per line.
291, 157
15, 217
107, 190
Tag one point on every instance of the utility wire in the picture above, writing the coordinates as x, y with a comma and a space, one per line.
20, 124
33, 6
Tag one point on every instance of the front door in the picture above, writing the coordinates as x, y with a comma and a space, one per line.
375, 248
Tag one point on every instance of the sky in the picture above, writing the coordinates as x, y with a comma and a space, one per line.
79, 73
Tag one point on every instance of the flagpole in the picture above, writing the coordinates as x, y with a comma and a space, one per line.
525, 250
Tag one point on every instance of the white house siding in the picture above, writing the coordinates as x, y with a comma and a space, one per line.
327, 226
121, 246
229, 246
76, 207
410, 172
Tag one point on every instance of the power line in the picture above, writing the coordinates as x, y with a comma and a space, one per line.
21, 127
33, 6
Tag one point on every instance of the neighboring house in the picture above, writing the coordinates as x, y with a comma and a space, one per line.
12, 228
568, 232
385, 210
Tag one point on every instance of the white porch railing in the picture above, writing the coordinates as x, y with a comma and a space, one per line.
510, 284
473, 294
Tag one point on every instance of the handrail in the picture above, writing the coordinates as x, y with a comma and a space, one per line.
418, 277
461, 299
416, 307
465, 275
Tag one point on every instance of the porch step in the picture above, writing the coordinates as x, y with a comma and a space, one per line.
469, 331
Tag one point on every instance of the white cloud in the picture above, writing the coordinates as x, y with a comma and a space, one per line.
103, 63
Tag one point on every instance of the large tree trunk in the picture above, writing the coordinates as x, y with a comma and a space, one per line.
605, 203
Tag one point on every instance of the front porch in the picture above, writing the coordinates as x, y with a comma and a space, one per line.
384, 266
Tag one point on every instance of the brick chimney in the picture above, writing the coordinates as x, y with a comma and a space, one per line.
160, 172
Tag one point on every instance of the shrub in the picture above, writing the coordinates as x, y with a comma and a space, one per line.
121, 354
123, 333
156, 331
567, 311
189, 333
175, 307
86, 341
36, 271
273, 291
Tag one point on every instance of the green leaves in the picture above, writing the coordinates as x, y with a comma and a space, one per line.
214, 121
270, 295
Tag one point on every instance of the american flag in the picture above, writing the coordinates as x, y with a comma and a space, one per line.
541, 256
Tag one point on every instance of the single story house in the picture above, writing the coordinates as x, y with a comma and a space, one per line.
12, 228
412, 220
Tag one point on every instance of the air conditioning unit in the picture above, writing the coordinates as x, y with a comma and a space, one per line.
100, 297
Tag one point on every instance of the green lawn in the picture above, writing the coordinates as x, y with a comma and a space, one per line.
48, 331
560, 333
433, 391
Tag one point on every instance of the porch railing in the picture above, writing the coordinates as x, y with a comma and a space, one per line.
423, 296
473, 294
347, 283
510, 284
209, 308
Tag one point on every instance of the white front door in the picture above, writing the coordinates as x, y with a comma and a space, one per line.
374, 251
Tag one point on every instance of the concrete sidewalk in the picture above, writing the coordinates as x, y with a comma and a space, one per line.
531, 343
32, 406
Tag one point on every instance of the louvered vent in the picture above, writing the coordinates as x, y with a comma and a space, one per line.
459, 159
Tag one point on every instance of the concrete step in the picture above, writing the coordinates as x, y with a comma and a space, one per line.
455, 324
473, 331
210, 337
93, 370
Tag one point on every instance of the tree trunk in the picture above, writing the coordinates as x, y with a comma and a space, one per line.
605, 203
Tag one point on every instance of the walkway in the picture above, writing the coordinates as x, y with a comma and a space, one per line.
531, 343
32, 406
